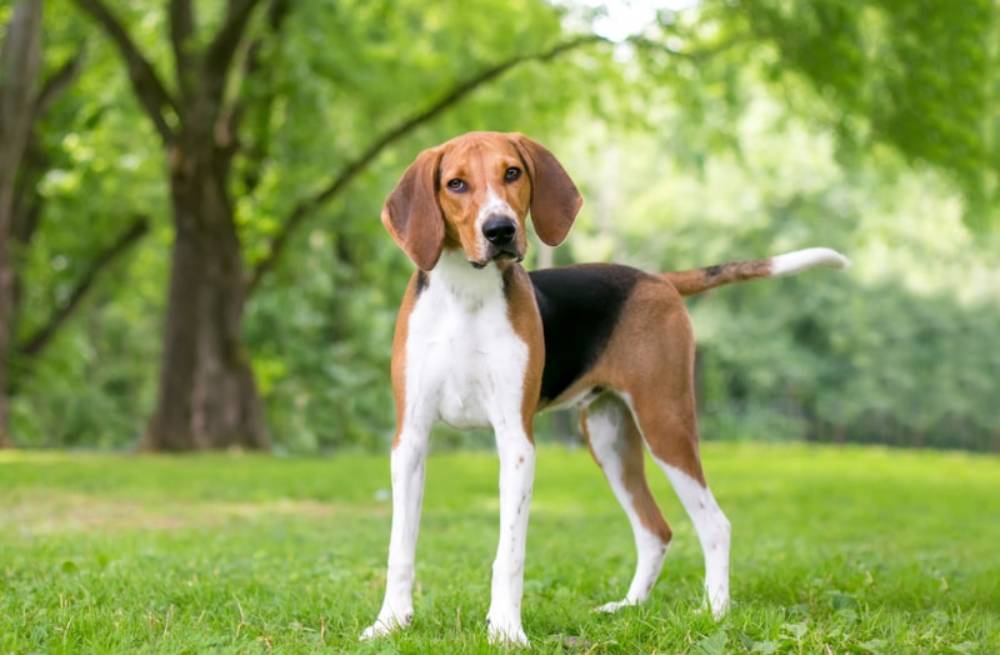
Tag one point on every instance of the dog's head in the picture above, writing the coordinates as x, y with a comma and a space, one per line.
475, 192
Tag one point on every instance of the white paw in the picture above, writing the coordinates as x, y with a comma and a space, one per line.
610, 608
376, 629
385, 624
719, 606
505, 631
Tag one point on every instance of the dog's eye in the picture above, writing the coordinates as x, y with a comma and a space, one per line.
512, 174
456, 185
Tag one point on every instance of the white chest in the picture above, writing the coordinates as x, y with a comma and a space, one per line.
465, 364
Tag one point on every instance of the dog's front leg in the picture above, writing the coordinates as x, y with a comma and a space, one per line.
409, 455
517, 472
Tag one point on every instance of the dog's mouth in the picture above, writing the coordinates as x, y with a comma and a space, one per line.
498, 255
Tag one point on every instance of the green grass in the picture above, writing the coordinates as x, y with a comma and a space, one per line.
834, 551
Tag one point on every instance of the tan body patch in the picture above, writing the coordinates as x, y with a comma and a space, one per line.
398, 362
523, 313
649, 361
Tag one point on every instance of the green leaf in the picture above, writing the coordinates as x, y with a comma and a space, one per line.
713, 644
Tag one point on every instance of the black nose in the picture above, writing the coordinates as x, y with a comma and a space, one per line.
499, 230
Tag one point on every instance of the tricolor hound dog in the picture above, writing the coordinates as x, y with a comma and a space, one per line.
481, 342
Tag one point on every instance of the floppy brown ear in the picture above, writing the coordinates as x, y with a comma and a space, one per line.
555, 200
412, 214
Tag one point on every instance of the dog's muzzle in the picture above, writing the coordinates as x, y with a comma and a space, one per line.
500, 232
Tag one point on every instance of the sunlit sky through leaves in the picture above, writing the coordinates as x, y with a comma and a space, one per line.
619, 20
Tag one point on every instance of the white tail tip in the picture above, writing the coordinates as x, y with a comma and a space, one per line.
800, 260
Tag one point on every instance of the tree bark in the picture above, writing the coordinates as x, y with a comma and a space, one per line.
20, 61
208, 398
207, 395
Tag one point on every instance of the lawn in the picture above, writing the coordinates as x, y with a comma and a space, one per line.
856, 550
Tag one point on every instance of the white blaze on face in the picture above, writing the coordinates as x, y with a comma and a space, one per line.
493, 205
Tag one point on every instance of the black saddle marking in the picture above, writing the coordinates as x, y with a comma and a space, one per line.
580, 306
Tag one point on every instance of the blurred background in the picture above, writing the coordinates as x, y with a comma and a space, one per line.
191, 255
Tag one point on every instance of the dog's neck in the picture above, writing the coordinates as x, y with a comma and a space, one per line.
462, 282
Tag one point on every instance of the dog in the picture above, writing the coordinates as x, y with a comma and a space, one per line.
480, 342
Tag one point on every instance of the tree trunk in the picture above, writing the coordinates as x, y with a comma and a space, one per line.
208, 397
24, 215
6, 336
20, 60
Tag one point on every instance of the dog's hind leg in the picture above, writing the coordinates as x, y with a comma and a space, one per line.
668, 425
656, 378
714, 534
616, 445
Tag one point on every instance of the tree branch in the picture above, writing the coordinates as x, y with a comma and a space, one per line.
152, 95
234, 111
221, 50
307, 206
181, 30
277, 13
35, 343
27, 205
695, 56
58, 82
20, 59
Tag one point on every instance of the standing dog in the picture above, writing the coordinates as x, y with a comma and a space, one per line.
481, 342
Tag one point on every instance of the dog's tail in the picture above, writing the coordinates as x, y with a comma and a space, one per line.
696, 280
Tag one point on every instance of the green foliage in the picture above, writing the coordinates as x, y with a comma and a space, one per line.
103, 169
919, 76
843, 550
770, 126
896, 350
